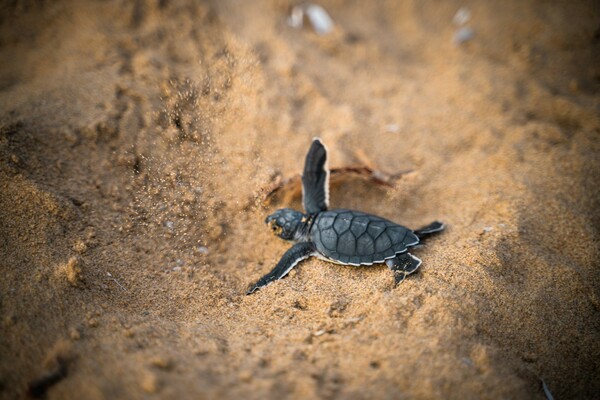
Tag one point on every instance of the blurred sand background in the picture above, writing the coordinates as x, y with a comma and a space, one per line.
136, 142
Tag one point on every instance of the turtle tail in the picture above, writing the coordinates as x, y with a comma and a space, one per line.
432, 228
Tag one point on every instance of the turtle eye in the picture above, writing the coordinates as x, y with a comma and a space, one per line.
275, 228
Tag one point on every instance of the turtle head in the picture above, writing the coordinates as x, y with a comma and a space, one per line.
285, 223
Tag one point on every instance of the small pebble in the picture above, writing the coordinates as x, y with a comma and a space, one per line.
170, 224
162, 362
149, 382
129, 333
202, 249
74, 334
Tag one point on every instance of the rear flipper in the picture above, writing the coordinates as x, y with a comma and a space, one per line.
429, 229
293, 256
403, 265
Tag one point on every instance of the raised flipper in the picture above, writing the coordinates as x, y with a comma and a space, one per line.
403, 265
315, 179
293, 256
425, 231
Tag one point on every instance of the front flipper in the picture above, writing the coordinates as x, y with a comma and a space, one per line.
293, 256
403, 265
315, 179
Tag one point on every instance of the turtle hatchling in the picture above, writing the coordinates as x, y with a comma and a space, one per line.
341, 236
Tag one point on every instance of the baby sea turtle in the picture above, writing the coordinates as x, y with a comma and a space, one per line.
341, 236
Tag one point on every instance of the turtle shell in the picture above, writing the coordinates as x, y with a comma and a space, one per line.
353, 237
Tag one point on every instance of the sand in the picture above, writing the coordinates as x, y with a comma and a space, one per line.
138, 140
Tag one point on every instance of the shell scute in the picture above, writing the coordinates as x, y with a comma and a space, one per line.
342, 223
329, 239
347, 244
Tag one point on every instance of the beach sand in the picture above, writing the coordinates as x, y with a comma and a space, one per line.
138, 141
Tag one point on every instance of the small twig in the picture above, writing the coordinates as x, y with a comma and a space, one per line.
547, 391
116, 281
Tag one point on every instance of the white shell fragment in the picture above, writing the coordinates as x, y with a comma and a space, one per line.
316, 15
296, 17
462, 16
319, 19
